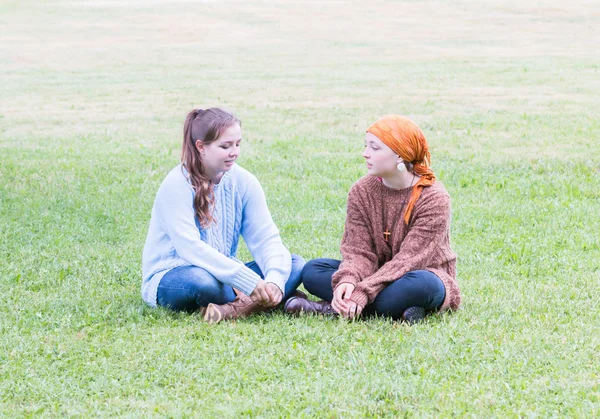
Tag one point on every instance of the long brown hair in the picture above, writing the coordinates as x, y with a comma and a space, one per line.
206, 126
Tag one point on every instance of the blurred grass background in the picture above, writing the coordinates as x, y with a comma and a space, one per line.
92, 102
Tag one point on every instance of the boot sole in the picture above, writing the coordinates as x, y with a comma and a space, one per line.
212, 315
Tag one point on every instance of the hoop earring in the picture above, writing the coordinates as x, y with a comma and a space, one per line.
401, 167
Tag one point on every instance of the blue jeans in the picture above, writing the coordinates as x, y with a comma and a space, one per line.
188, 288
415, 288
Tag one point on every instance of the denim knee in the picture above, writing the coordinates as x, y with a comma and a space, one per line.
316, 277
429, 284
294, 279
416, 288
189, 287
309, 275
298, 263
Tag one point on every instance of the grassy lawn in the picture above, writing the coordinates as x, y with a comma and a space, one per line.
93, 95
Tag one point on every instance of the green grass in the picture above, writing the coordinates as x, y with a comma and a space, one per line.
92, 101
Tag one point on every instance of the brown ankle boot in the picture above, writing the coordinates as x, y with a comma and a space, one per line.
242, 306
297, 305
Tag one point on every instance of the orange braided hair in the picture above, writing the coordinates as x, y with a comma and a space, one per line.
406, 139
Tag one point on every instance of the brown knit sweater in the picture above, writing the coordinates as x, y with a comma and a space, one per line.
371, 263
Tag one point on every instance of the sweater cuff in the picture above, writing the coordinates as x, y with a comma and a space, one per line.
344, 280
276, 278
245, 280
359, 297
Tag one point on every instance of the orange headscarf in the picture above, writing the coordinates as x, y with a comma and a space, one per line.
406, 139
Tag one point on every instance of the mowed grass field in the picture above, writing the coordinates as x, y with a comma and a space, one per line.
93, 95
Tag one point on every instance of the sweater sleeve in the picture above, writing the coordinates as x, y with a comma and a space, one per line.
262, 236
419, 249
359, 258
177, 218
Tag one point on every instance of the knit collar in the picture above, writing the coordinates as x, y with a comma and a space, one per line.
392, 190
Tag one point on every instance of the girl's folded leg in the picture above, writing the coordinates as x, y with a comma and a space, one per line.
421, 289
188, 288
316, 277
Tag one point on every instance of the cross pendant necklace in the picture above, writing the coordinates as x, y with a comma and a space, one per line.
386, 234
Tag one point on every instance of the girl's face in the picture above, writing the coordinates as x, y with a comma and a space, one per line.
381, 160
219, 156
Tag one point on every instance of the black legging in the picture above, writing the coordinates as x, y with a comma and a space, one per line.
416, 288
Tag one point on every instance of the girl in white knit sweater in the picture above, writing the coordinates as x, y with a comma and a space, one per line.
201, 209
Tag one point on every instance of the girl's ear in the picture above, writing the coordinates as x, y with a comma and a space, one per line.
199, 146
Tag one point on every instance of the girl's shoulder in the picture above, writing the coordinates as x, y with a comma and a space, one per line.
175, 188
437, 190
366, 184
434, 196
241, 181
177, 176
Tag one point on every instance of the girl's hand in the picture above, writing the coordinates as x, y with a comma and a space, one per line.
261, 294
275, 294
341, 297
354, 310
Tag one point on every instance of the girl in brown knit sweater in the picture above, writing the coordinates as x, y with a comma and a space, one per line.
396, 255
